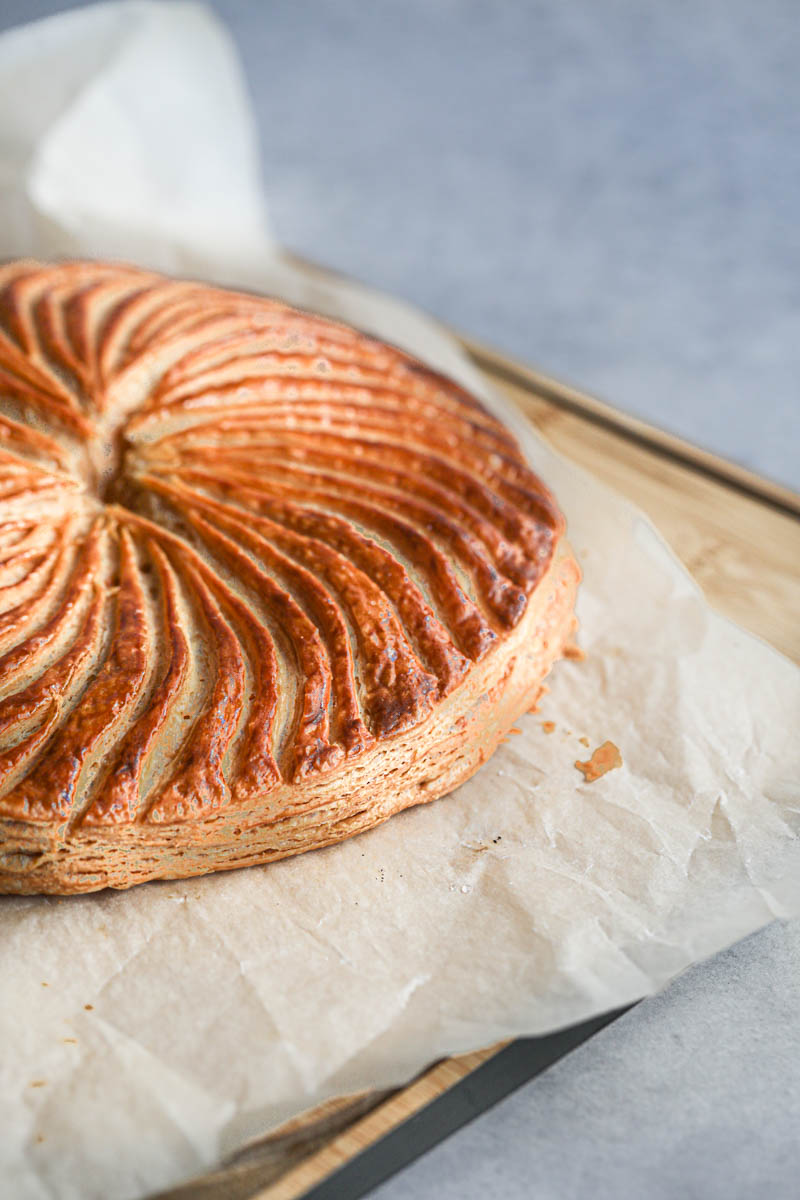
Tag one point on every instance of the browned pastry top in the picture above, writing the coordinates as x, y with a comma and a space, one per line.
239, 544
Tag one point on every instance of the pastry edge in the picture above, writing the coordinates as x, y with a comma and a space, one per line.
458, 737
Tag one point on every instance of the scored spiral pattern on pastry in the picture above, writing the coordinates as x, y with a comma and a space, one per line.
239, 544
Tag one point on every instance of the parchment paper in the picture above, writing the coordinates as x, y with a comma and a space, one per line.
144, 1035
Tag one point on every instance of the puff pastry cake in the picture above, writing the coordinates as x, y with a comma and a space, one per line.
264, 581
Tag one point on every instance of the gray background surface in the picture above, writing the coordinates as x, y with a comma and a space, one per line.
609, 190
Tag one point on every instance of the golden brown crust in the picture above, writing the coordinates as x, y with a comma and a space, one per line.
263, 580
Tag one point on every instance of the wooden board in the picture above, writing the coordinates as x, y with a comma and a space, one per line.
740, 537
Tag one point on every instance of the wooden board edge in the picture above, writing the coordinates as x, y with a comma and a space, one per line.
382, 1119
261, 1162
496, 363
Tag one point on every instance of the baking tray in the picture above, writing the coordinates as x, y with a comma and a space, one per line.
739, 535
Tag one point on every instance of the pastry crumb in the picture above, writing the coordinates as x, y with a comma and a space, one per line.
549, 726
573, 651
38, 1082
605, 758
543, 690
584, 741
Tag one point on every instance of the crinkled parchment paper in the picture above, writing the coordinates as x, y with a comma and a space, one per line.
145, 1034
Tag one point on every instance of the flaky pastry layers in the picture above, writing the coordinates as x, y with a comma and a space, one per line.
264, 581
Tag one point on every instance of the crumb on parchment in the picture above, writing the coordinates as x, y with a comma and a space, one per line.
543, 690
605, 758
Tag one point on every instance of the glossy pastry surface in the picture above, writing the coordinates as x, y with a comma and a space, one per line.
263, 579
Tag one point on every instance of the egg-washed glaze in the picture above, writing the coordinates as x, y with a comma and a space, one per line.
249, 558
